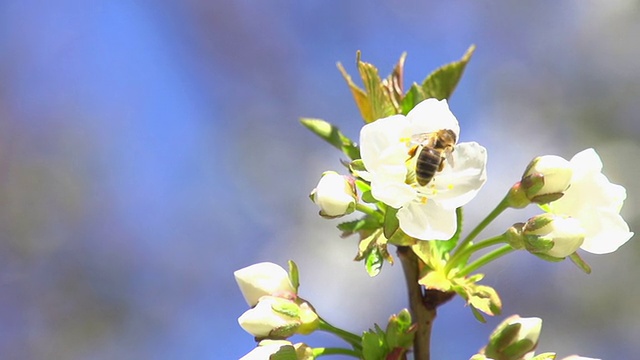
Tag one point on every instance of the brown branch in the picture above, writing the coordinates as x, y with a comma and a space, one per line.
422, 304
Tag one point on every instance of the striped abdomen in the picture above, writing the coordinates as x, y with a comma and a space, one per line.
428, 163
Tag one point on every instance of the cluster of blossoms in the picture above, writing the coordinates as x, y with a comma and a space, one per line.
582, 207
409, 176
276, 310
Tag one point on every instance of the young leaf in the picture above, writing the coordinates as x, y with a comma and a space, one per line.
391, 223
412, 98
361, 98
294, 275
373, 262
379, 99
373, 346
441, 83
331, 134
365, 223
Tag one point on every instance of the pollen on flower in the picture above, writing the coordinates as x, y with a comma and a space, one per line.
423, 199
450, 186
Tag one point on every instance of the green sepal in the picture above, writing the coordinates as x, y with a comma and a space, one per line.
576, 259
536, 243
287, 308
391, 222
546, 257
357, 165
546, 198
368, 198
441, 83
286, 352
294, 275
331, 134
284, 331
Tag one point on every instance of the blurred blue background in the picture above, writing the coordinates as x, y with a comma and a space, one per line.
150, 148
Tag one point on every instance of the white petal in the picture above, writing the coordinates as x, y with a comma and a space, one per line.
262, 279
432, 115
392, 193
427, 221
458, 184
585, 162
606, 232
380, 140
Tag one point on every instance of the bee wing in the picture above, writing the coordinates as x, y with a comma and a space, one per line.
420, 139
449, 157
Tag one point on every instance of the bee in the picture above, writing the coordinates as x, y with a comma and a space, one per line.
432, 149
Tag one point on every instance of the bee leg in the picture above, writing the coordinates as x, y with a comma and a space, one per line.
412, 152
441, 166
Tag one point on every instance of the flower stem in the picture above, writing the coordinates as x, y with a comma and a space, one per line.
502, 206
465, 253
485, 259
370, 211
423, 305
317, 352
354, 340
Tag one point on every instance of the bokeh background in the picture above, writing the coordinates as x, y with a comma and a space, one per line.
150, 148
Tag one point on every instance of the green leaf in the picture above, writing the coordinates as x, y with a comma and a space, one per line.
411, 98
365, 223
441, 83
331, 134
373, 346
360, 96
580, 263
294, 275
374, 262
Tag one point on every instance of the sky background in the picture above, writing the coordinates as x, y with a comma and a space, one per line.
150, 148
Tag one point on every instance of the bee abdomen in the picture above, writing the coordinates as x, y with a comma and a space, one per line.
427, 164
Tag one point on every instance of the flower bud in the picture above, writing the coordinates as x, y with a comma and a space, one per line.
553, 235
267, 348
263, 279
335, 195
279, 349
514, 338
279, 318
546, 178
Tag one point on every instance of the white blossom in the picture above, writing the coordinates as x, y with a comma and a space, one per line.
425, 212
594, 201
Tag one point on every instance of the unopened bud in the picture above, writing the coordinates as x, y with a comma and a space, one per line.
263, 279
279, 318
553, 235
546, 178
335, 195
514, 338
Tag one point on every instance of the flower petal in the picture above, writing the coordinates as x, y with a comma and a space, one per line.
458, 184
428, 221
380, 142
606, 231
392, 193
432, 115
